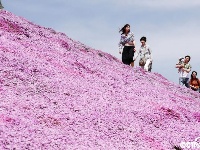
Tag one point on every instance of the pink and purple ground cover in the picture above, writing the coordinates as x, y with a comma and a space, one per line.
58, 94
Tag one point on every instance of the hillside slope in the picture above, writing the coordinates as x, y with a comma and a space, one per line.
58, 94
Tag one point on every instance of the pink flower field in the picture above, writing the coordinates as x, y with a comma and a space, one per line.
59, 94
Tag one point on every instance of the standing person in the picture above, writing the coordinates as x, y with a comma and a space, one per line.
128, 43
194, 81
185, 69
145, 55
1, 6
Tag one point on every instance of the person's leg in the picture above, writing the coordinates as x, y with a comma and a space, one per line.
132, 64
150, 67
131, 55
146, 66
125, 56
181, 80
187, 82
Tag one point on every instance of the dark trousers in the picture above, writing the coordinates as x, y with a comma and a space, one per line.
184, 81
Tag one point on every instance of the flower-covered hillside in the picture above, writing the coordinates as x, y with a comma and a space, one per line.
58, 94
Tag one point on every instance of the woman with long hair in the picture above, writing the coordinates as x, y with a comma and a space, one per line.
194, 81
128, 43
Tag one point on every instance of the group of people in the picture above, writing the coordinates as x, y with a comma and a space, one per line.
184, 69
127, 49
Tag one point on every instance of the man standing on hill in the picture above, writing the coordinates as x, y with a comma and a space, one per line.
184, 68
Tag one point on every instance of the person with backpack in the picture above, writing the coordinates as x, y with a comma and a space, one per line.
127, 42
194, 81
185, 69
145, 55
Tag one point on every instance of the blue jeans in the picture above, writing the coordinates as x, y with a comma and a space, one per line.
184, 81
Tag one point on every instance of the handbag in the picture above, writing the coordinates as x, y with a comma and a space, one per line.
142, 61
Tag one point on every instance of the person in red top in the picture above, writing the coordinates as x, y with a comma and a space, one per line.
194, 81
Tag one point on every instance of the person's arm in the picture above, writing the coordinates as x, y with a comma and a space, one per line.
120, 45
150, 53
120, 41
125, 39
120, 50
179, 66
131, 39
198, 83
187, 70
137, 54
134, 45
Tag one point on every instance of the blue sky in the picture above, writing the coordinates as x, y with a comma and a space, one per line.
172, 28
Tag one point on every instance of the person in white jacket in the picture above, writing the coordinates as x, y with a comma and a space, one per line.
145, 55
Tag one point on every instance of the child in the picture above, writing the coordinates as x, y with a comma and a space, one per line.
180, 62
